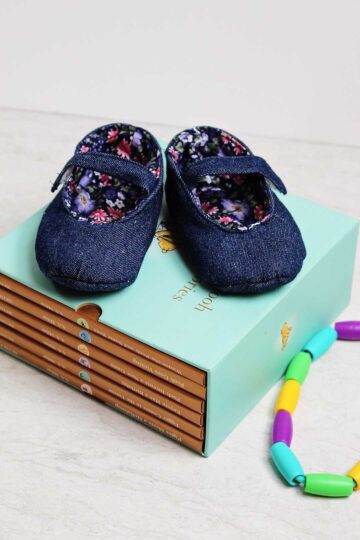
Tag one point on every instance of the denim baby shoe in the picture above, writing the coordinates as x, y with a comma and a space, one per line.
233, 229
95, 233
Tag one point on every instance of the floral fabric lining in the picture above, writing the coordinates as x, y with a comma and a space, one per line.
235, 201
101, 198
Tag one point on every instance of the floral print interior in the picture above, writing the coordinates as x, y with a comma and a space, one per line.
101, 198
236, 201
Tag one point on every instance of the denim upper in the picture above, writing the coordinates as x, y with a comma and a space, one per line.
239, 249
100, 248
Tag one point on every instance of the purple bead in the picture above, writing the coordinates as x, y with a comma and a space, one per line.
349, 330
282, 428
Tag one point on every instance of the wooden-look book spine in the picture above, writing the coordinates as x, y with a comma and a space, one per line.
20, 334
99, 360
145, 351
160, 379
101, 395
100, 382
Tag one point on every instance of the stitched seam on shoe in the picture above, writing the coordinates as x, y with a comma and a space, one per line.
269, 282
90, 282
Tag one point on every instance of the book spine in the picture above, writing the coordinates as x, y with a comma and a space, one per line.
101, 395
16, 332
122, 353
182, 398
146, 351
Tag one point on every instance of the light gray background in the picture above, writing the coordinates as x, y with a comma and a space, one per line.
71, 469
272, 72
276, 68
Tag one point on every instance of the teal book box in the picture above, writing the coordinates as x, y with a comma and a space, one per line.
243, 343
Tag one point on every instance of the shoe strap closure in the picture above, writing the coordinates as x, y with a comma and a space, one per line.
109, 164
233, 165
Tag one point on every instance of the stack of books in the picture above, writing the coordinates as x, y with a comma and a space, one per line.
143, 382
166, 351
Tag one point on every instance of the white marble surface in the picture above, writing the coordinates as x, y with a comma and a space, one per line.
72, 469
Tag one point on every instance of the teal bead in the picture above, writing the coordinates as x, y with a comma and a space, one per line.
287, 463
328, 485
321, 342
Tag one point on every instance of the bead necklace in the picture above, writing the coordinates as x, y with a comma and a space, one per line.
326, 485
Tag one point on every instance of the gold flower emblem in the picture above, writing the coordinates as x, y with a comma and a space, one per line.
165, 238
285, 334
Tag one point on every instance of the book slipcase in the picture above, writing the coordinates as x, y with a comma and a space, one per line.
166, 351
144, 383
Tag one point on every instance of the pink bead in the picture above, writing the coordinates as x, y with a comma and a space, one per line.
349, 330
282, 428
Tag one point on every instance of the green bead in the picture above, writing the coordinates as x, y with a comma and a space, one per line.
299, 367
328, 485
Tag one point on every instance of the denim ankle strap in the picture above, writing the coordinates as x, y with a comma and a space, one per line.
233, 165
111, 165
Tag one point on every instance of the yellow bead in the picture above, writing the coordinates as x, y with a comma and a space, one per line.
288, 397
355, 475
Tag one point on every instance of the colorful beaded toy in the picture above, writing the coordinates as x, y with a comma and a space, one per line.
326, 485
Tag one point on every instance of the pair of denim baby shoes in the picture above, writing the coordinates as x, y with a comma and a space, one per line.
232, 229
